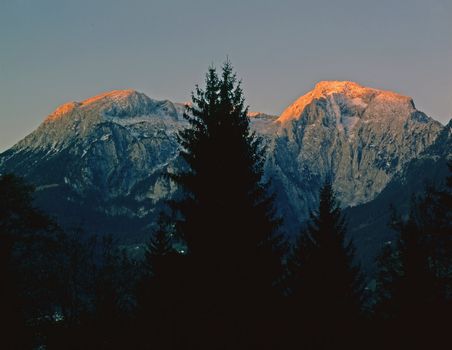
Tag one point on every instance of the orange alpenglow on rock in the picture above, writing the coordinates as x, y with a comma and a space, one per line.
114, 95
103, 98
62, 110
356, 93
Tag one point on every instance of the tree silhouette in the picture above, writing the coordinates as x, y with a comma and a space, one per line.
414, 280
159, 247
21, 226
327, 290
158, 293
106, 328
227, 220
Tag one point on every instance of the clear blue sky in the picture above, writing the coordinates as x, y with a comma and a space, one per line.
53, 51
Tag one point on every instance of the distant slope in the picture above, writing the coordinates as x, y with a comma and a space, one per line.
99, 163
369, 222
356, 136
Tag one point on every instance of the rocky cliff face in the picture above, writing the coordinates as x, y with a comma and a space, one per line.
369, 222
104, 155
355, 136
99, 162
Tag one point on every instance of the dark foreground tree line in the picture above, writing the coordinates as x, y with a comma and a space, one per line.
238, 284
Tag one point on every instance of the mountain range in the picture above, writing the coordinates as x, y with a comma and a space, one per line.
98, 164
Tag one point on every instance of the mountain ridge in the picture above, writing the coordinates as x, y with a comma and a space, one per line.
324, 89
105, 155
369, 222
359, 145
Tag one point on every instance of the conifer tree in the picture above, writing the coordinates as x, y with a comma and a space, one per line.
414, 281
227, 217
327, 290
157, 295
159, 246
107, 327
20, 224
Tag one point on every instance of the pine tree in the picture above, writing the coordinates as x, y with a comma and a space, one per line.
159, 246
326, 285
414, 284
157, 296
107, 328
227, 218
20, 224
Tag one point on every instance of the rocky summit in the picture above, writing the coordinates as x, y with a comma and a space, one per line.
100, 163
355, 136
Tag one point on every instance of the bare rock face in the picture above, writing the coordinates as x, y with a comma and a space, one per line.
105, 155
368, 222
355, 136
100, 162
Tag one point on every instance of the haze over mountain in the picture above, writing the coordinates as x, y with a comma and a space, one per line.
99, 163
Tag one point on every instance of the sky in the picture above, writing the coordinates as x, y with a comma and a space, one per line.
55, 51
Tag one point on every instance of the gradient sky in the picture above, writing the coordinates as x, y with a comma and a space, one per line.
54, 51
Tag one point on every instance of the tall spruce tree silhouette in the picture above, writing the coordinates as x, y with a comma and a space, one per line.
414, 279
227, 221
326, 285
